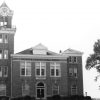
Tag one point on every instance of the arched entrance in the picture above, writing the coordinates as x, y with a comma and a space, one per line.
40, 90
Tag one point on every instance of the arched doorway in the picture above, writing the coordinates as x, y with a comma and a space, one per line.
40, 90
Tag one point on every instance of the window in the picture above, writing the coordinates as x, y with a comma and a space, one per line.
75, 59
1, 23
55, 70
2, 90
55, 89
25, 68
70, 59
75, 72
74, 90
1, 54
5, 54
5, 71
5, 38
25, 89
40, 68
1, 38
0, 71
70, 72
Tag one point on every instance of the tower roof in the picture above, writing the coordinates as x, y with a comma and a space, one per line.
5, 10
4, 5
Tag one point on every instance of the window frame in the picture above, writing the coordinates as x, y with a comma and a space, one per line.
38, 65
5, 54
74, 90
55, 89
24, 90
5, 75
1, 39
54, 65
5, 88
25, 68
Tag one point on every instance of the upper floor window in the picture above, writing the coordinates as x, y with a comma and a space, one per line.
73, 72
1, 38
0, 71
1, 54
25, 89
6, 38
70, 59
2, 90
25, 68
74, 90
4, 23
40, 69
55, 70
5, 54
75, 59
5, 71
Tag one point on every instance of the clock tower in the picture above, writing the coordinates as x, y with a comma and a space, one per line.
7, 32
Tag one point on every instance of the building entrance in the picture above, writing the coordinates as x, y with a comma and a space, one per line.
40, 89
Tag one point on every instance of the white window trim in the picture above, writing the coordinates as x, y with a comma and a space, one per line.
25, 68
40, 67
76, 72
55, 67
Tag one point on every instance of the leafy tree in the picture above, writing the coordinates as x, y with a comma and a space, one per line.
93, 61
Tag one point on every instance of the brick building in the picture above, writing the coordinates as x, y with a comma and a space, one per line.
36, 71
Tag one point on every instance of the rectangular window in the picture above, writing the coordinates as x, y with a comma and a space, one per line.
25, 68
75, 72
70, 72
75, 59
2, 90
5, 71
5, 54
40, 68
55, 89
70, 59
1, 38
73, 90
0, 71
25, 89
5, 38
55, 70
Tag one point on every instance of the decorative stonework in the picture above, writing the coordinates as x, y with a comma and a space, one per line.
5, 11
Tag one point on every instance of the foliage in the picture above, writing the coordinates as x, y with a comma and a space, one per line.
93, 61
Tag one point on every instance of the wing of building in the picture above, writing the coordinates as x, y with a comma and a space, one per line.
36, 71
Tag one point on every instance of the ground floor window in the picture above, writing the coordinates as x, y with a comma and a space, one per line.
73, 90
55, 89
2, 90
25, 89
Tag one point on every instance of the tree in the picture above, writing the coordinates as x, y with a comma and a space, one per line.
93, 61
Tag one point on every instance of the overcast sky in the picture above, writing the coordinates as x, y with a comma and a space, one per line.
59, 25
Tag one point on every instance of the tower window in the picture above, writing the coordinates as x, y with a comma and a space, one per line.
0, 54
0, 71
1, 38
5, 38
5, 71
5, 54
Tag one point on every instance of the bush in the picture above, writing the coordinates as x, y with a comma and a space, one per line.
56, 97
4, 98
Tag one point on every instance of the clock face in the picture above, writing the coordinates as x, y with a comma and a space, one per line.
4, 11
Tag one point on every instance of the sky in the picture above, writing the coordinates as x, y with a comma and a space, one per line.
59, 25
